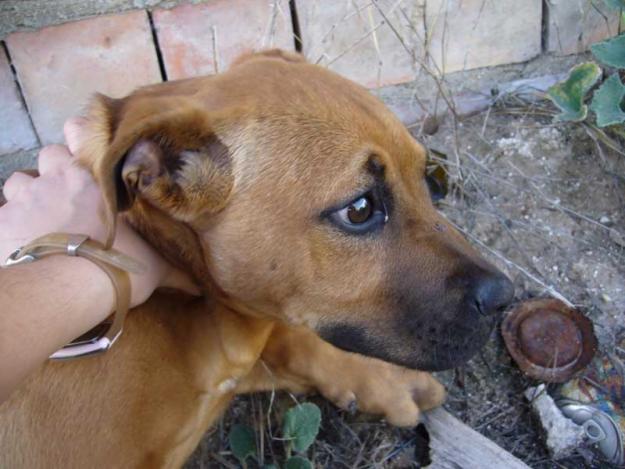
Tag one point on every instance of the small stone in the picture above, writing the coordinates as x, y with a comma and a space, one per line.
431, 124
563, 435
617, 237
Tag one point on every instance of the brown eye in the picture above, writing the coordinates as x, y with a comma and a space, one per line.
359, 211
363, 215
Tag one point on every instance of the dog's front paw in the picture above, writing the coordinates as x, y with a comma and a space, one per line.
377, 387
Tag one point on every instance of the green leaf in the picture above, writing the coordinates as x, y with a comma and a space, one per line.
611, 52
615, 4
297, 462
242, 442
569, 94
606, 102
270, 466
301, 425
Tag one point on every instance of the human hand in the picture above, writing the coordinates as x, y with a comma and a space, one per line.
65, 198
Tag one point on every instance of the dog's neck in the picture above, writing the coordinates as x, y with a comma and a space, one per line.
220, 335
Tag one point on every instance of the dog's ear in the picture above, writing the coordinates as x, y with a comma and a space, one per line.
164, 151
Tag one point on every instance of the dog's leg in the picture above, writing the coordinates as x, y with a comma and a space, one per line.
298, 360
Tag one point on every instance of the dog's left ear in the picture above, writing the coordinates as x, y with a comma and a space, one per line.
165, 152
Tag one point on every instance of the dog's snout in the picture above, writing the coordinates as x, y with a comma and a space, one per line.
492, 293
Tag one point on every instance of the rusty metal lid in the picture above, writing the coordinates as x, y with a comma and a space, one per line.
548, 340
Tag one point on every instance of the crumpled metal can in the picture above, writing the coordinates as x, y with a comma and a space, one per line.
596, 400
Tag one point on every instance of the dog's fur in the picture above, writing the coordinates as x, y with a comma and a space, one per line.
236, 179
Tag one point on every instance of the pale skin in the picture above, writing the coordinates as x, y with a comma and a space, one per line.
50, 302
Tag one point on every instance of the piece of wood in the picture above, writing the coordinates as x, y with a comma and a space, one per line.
454, 445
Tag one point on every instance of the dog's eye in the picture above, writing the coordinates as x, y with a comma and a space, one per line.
359, 211
361, 215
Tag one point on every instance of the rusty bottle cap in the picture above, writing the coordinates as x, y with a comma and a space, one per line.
548, 340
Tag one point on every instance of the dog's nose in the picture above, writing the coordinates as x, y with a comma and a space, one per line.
492, 293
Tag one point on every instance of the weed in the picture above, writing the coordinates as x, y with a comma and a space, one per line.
299, 430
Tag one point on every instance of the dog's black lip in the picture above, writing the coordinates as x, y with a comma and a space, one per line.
350, 338
443, 355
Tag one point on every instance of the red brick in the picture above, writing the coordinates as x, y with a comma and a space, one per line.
16, 133
188, 35
354, 39
60, 67
573, 25
468, 34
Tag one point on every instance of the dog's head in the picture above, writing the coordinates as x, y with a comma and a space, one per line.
298, 196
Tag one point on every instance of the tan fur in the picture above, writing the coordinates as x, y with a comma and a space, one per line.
229, 177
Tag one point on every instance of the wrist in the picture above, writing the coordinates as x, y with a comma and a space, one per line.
143, 284
80, 280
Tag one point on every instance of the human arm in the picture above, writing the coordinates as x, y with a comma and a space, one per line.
48, 303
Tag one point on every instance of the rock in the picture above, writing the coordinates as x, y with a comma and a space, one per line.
617, 237
563, 435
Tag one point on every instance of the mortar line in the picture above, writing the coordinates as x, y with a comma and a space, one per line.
426, 32
157, 47
20, 92
544, 25
297, 32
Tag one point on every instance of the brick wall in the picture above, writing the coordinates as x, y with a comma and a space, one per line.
56, 53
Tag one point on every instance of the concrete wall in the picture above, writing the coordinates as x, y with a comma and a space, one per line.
55, 54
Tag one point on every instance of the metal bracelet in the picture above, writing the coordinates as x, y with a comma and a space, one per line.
16, 258
74, 242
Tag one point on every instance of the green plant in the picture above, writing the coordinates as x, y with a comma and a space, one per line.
299, 430
569, 94
300, 426
572, 94
298, 462
615, 4
242, 443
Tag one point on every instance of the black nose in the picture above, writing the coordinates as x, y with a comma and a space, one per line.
492, 293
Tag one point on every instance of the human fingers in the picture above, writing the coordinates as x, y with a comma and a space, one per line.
16, 182
52, 158
75, 133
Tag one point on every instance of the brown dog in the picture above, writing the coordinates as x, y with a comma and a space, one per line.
299, 202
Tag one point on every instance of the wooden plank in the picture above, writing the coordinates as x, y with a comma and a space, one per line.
454, 445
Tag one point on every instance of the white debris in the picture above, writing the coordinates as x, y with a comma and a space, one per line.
563, 435
551, 137
514, 145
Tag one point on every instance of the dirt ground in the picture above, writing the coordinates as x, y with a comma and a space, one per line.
547, 207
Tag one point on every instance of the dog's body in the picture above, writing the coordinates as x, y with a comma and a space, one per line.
298, 201
148, 401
